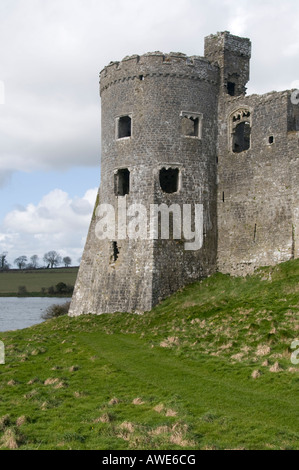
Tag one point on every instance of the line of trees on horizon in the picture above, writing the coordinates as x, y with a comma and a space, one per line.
51, 259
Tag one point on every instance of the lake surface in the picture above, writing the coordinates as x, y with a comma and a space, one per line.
17, 313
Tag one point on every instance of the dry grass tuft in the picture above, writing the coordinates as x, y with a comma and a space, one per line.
263, 350
238, 357
45, 406
159, 408
51, 381
113, 401
255, 374
21, 421
178, 436
33, 381
69, 350
179, 440
138, 401
169, 342
170, 413
35, 352
105, 418
12, 383
31, 394
127, 426
276, 368
60, 384
124, 435
9, 440
161, 430
79, 394
4, 422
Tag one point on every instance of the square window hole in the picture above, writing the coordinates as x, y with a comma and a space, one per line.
122, 182
169, 180
124, 127
231, 88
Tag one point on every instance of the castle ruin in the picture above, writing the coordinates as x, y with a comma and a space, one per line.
181, 130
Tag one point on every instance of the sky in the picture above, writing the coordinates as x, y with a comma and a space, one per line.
51, 53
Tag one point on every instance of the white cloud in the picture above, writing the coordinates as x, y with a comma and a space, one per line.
54, 50
57, 222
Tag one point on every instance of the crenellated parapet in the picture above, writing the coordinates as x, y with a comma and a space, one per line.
158, 64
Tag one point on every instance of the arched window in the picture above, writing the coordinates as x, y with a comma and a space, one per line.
240, 130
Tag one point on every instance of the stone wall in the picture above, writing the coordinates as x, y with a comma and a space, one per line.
257, 194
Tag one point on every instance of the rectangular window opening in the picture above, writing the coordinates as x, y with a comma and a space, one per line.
231, 88
241, 137
124, 127
115, 252
191, 124
122, 182
169, 180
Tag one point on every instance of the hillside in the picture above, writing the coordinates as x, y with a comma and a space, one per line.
35, 280
209, 368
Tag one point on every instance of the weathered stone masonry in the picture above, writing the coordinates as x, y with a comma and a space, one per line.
179, 130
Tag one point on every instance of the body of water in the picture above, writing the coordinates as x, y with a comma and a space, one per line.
17, 313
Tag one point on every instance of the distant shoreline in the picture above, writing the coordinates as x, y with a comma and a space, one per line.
34, 294
41, 282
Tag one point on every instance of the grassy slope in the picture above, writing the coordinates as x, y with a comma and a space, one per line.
34, 280
180, 376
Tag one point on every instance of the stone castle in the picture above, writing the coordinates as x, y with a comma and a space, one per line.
181, 130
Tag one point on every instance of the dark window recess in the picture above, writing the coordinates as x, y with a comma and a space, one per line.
271, 139
141, 77
124, 127
254, 234
169, 180
241, 137
122, 182
190, 126
223, 197
231, 88
115, 252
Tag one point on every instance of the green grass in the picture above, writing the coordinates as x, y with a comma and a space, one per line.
35, 280
178, 377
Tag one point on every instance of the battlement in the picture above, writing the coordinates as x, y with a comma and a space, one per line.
158, 64
222, 42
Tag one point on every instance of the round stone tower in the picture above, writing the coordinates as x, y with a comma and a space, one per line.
159, 139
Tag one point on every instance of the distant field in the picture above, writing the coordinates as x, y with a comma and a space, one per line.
35, 280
